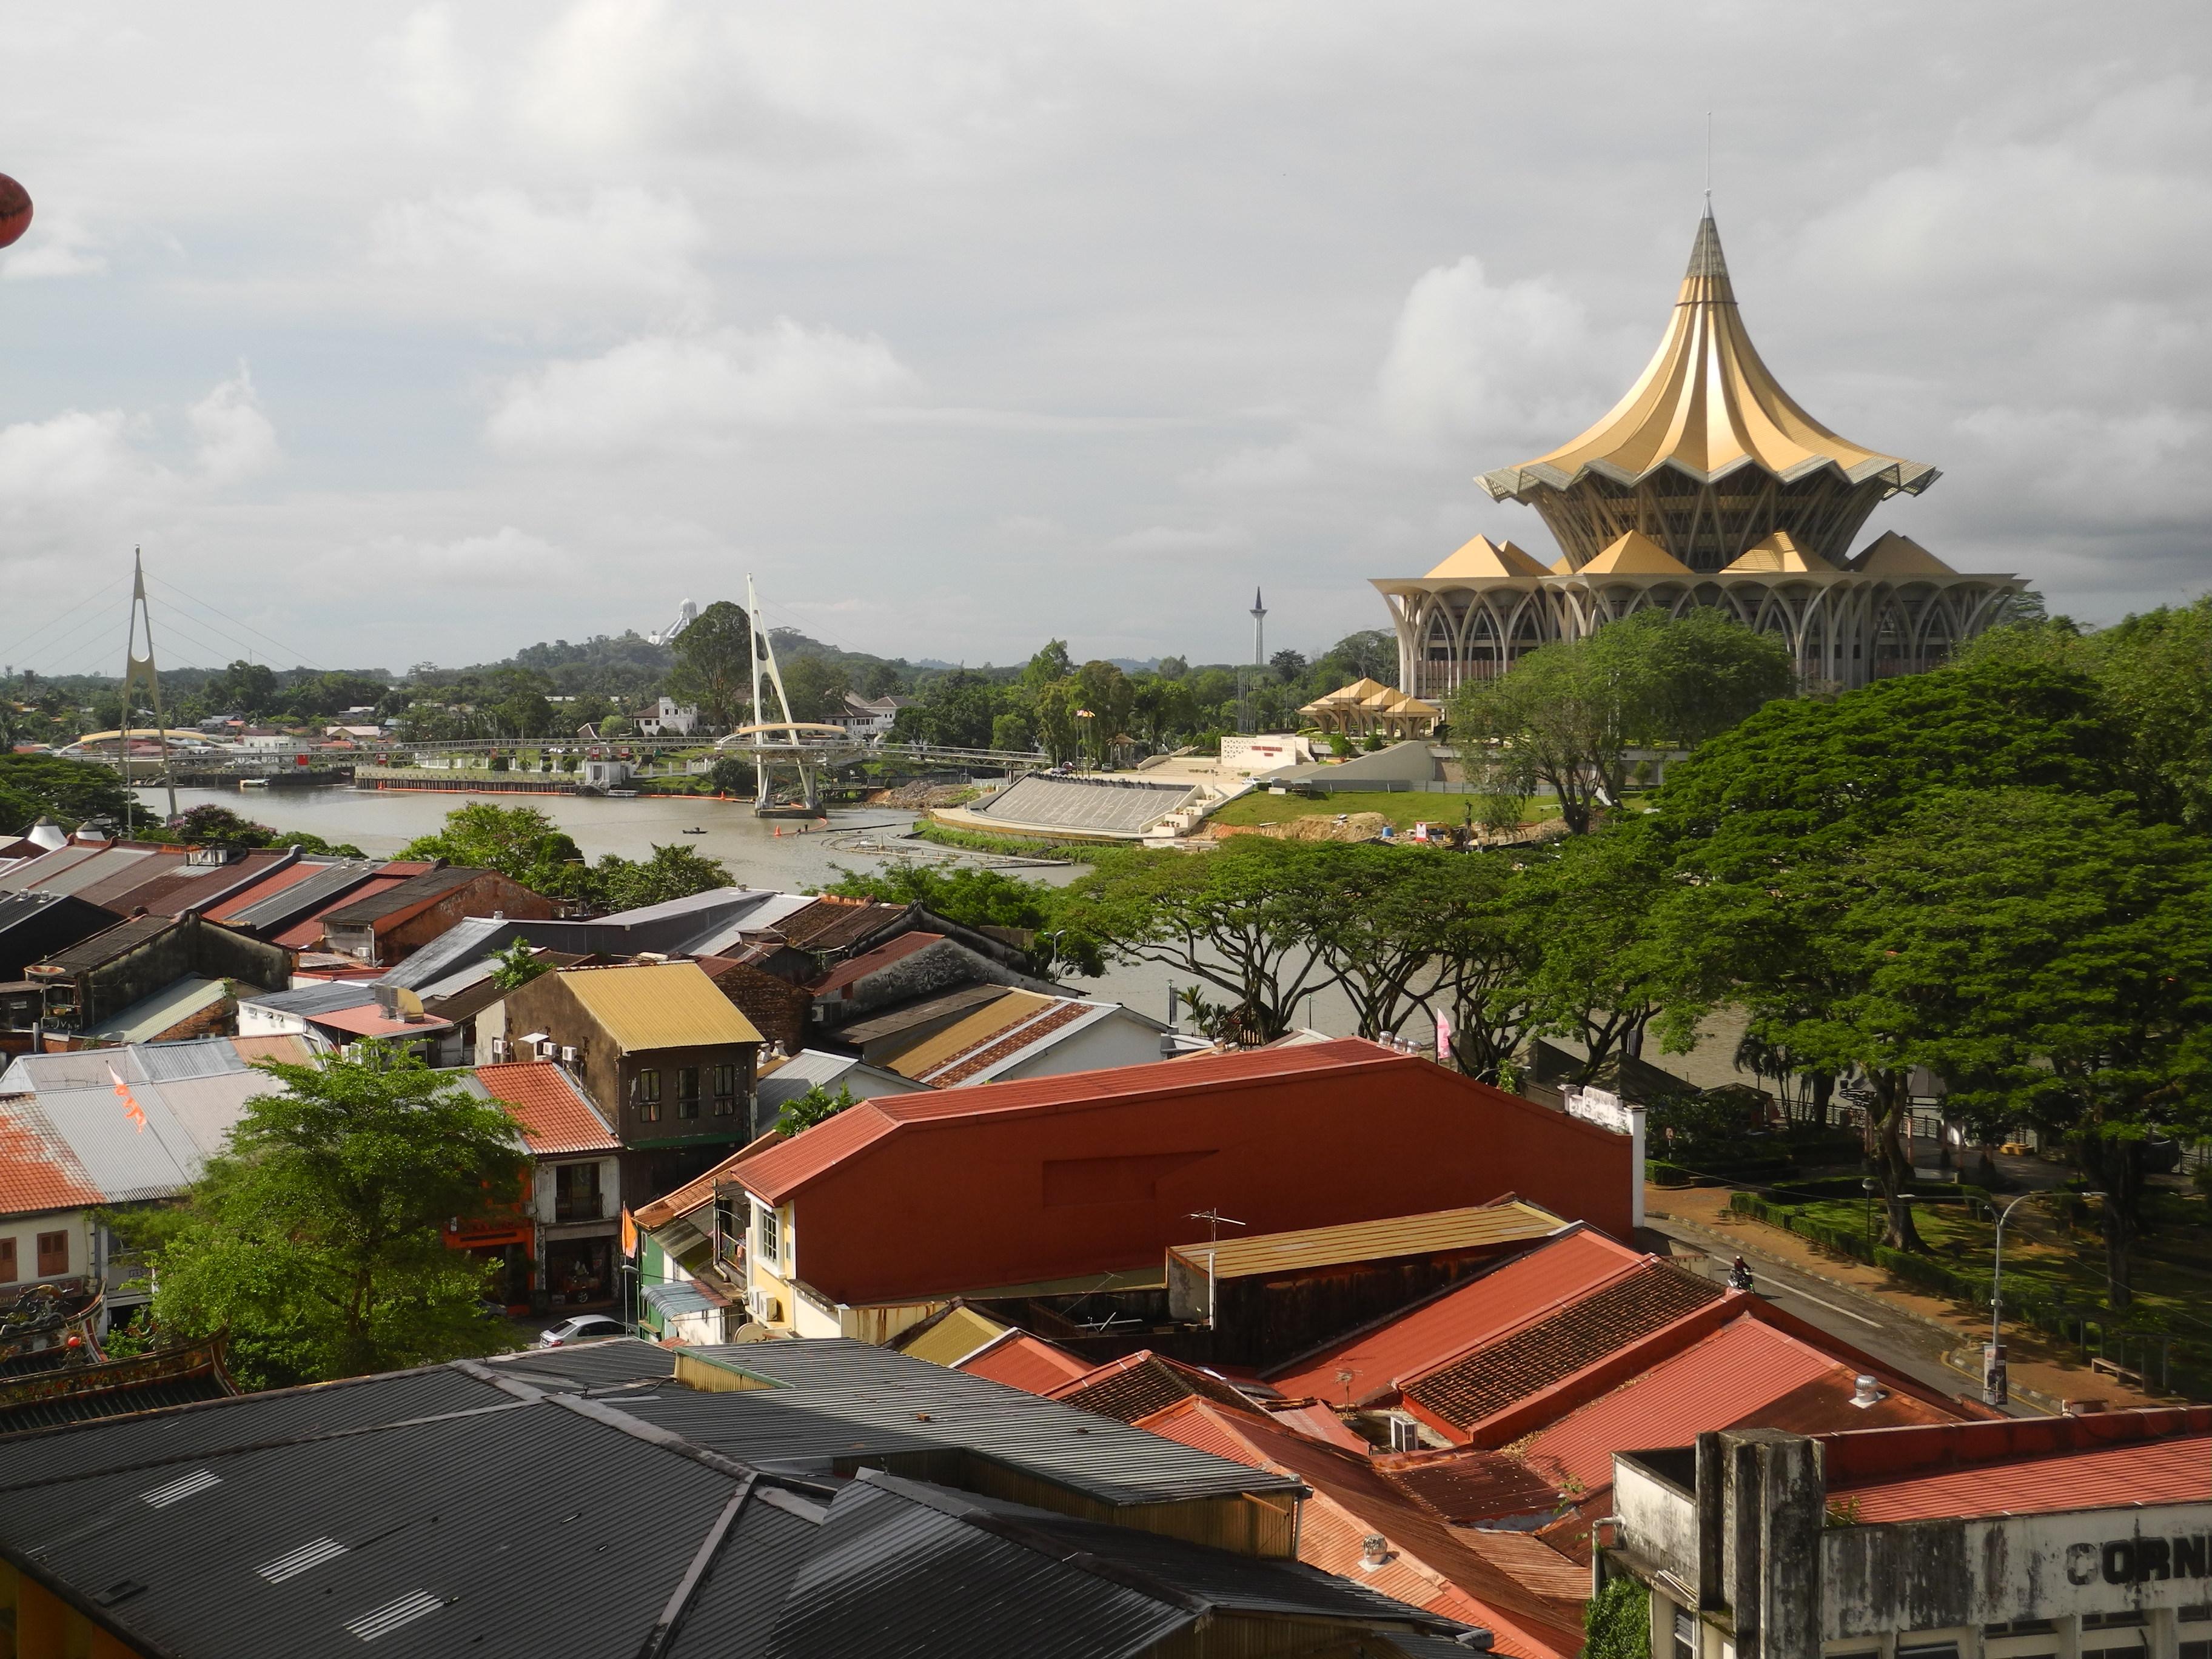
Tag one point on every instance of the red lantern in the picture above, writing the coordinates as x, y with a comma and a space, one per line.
15, 210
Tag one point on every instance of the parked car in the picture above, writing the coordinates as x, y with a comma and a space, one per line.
584, 1328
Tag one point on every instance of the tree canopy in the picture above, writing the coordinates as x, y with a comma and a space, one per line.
33, 786
315, 1240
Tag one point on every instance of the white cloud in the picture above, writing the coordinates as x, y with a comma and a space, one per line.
74, 456
235, 438
506, 253
1181, 541
61, 248
505, 558
685, 391
422, 67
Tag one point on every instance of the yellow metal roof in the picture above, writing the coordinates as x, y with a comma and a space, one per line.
1780, 552
1483, 557
1706, 405
1634, 554
1376, 1241
963, 1035
1892, 555
664, 1005
954, 1337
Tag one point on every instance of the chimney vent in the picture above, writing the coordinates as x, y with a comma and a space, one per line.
1868, 1392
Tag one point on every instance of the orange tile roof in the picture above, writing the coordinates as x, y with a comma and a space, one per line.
1475, 1312
784, 1169
1142, 1383
984, 1055
276, 882
554, 1114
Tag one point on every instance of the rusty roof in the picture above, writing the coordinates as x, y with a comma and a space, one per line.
1508, 1371
1026, 1361
1505, 1222
370, 905
846, 974
1477, 1311
555, 1115
1005, 1010
658, 1005
37, 1169
832, 924
1467, 1485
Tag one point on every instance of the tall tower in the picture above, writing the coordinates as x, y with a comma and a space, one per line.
1259, 630
1250, 676
138, 672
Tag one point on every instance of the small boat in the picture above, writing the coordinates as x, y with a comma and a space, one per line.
694, 832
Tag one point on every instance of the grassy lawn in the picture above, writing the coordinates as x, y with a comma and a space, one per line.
1404, 809
2172, 1269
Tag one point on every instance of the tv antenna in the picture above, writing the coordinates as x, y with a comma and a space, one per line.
1215, 1219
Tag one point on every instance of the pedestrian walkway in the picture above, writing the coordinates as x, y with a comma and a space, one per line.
2038, 1366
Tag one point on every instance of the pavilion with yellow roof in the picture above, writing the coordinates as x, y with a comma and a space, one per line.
1708, 484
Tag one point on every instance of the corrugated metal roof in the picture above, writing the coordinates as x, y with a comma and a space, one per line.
556, 1115
828, 923
1467, 1486
1026, 1361
954, 1337
271, 884
38, 1170
1055, 1024
647, 1005
778, 1173
951, 1005
76, 874
1474, 1313
839, 1399
322, 997
195, 887
735, 1611
307, 886
42, 873
366, 907
468, 941
810, 1068
305, 932
1138, 1384
1375, 1241
2172, 1471
108, 944
1716, 1383
168, 1008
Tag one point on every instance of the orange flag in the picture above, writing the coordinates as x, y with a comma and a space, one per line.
131, 1109
629, 1232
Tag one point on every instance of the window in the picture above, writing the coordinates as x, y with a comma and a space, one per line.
646, 1092
767, 1236
53, 1255
7, 1261
576, 1192
726, 1090
687, 1091
1685, 1636
728, 1235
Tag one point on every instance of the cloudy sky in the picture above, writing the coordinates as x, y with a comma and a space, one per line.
419, 333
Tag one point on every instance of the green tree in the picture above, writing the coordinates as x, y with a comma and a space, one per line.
314, 1240
2051, 959
980, 898
955, 709
1617, 1621
1238, 919
1058, 729
816, 1105
1588, 969
1108, 694
715, 663
244, 688
517, 965
1012, 733
44, 786
673, 872
816, 686
731, 774
1050, 665
1756, 825
520, 842
1567, 714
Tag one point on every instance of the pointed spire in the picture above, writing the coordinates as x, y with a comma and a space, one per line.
1707, 278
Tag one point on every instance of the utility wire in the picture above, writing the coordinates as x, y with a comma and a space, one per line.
300, 658
9, 653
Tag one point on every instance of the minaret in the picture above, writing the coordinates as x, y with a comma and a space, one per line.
1259, 631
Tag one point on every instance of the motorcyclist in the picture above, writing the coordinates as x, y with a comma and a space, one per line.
1739, 1277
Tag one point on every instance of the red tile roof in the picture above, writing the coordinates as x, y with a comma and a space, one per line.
1511, 1370
782, 1171
1004, 1045
554, 1114
1466, 1486
1432, 1331
38, 1170
2177, 1471
1427, 1564
1026, 1361
840, 980
1140, 1383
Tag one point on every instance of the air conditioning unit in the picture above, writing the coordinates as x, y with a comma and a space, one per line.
567, 1056
499, 1048
767, 1309
1405, 1434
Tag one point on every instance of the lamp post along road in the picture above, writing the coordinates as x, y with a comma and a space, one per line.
1995, 1387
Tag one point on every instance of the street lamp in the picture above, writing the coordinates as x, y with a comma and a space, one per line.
1995, 1389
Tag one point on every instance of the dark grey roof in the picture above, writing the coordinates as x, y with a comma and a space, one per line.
402, 896
108, 944
291, 903
837, 1402
470, 1509
946, 1008
327, 998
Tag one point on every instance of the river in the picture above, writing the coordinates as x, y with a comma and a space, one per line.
760, 852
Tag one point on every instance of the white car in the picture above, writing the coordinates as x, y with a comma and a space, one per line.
584, 1328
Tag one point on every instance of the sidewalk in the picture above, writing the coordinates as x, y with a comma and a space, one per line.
2037, 1365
